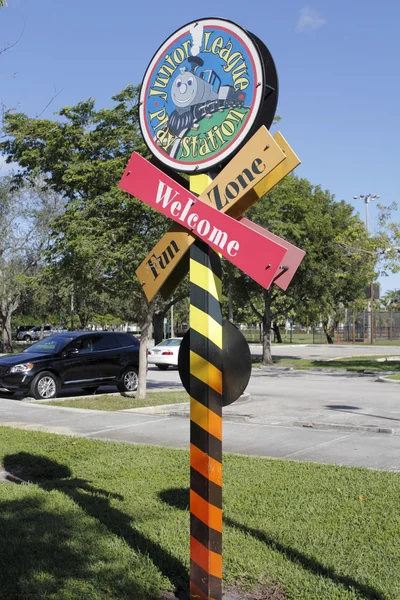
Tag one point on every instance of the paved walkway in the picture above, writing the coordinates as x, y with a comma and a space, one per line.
355, 448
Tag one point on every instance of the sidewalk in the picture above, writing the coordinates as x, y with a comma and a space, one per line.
353, 448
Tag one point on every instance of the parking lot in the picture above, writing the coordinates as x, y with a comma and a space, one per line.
338, 417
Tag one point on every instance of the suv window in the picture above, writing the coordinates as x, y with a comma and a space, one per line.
84, 344
105, 342
124, 340
46, 328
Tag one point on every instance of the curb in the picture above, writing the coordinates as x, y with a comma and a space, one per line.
387, 380
323, 371
326, 371
180, 409
29, 399
355, 428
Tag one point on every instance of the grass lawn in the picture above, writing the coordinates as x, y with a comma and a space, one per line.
396, 377
113, 403
105, 521
355, 363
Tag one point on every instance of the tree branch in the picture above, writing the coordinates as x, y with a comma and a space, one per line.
48, 104
253, 308
14, 43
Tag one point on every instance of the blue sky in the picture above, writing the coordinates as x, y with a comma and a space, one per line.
338, 67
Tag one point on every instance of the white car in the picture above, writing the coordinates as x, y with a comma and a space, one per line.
165, 354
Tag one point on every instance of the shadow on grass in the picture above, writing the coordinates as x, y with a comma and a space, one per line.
179, 498
41, 556
50, 476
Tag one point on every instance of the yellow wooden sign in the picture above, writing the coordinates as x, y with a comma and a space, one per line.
255, 170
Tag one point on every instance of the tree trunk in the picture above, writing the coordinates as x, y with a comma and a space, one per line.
158, 322
6, 333
277, 333
267, 321
145, 335
326, 331
82, 318
230, 303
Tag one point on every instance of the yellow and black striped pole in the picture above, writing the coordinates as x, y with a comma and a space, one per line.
205, 419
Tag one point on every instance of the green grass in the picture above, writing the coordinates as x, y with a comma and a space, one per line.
355, 363
105, 521
113, 403
396, 377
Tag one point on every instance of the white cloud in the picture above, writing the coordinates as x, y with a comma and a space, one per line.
309, 20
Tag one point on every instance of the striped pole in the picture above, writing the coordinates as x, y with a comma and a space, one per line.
205, 422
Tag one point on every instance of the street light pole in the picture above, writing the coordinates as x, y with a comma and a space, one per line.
367, 199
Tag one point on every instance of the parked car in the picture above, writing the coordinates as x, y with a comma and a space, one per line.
71, 360
165, 354
20, 329
34, 333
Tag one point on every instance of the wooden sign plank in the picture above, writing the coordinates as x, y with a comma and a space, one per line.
248, 250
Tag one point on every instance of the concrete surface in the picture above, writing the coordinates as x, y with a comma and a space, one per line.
355, 448
311, 398
337, 417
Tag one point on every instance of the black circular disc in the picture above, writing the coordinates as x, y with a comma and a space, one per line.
236, 362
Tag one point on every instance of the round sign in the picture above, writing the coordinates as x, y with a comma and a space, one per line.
236, 362
208, 88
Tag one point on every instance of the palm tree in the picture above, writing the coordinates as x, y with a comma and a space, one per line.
3, 3
391, 300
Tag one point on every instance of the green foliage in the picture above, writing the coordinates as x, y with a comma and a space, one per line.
389, 236
104, 234
338, 264
85, 152
391, 300
26, 215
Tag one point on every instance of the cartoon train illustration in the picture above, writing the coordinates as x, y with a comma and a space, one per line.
199, 95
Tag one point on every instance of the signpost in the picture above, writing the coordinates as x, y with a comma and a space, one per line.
207, 100
158, 273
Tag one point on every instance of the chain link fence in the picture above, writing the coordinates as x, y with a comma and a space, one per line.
361, 327
370, 326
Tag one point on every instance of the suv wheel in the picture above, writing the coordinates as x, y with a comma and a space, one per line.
44, 386
129, 380
27, 338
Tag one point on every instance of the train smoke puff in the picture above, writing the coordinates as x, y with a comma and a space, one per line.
197, 37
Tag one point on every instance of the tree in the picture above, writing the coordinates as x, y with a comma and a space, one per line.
25, 220
105, 233
391, 300
388, 232
329, 275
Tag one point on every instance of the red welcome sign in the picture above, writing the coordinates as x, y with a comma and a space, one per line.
248, 249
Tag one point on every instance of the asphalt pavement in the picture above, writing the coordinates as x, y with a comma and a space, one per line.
335, 418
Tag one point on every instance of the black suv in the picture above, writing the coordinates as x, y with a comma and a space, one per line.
84, 360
